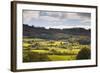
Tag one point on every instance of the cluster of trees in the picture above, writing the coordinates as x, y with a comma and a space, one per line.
35, 57
84, 53
52, 33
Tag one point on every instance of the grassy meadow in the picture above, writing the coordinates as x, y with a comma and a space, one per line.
37, 50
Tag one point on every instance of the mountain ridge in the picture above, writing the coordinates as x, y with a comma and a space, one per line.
52, 33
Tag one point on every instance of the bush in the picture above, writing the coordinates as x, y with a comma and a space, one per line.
35, 57
84, 53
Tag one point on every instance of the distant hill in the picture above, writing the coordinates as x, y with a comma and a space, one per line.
53, 33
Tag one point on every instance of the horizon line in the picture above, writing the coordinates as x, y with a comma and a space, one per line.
58, 28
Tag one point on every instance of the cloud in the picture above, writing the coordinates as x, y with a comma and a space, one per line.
28, 15
85, 15
71, 16
51, 14
51, 19
59, 15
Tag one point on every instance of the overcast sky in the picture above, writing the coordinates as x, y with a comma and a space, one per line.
52, 19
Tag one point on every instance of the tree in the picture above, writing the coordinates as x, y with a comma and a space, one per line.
84, 53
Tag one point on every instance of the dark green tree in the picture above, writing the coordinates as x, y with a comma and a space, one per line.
84, 53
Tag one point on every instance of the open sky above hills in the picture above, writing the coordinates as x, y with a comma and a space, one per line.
53, 19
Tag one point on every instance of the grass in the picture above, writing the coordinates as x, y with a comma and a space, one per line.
74, 51
55, 57
26, 44
40, 51
62, 57
55, 50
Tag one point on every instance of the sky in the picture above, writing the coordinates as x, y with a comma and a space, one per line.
54, 19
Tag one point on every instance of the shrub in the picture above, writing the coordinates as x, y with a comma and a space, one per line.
35, 57
84, 53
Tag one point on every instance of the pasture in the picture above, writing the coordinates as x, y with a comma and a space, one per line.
36, 50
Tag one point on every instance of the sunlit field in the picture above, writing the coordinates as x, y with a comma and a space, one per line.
36, 50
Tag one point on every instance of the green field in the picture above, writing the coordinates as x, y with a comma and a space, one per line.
36, 50
61, 57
